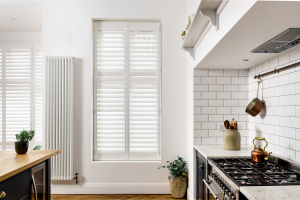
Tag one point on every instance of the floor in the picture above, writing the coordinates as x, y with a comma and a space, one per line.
110, 197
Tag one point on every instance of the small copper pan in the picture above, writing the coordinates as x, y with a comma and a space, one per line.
255, 106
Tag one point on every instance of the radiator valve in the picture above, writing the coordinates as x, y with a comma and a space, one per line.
76, 177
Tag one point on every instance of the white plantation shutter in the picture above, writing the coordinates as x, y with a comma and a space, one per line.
17, 90
17, 79
127, 91
37, 102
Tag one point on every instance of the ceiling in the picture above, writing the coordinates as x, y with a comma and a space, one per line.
28, 17
261, 23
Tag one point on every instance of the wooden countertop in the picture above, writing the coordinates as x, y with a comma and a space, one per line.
12, 163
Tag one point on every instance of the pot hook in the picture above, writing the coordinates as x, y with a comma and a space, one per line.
258, 86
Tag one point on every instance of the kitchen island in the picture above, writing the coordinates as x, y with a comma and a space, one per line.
24, 175
276, 192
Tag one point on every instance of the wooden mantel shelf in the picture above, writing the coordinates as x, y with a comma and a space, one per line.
12, 163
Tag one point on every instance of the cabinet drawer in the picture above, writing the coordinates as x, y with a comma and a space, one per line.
17, 187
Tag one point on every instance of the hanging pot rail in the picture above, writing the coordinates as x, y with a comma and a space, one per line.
277, 70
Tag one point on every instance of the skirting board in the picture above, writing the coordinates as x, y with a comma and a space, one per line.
111, 188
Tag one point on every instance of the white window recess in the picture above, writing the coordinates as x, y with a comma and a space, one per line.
207, 16
127, 91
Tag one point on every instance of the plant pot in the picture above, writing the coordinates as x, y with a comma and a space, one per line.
21, 147
178, 186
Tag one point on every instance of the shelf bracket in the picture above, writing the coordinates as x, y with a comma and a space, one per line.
212, 16
191, 52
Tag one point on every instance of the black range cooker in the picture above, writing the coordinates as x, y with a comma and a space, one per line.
226, 176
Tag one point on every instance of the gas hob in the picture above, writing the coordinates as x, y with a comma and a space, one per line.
245, 172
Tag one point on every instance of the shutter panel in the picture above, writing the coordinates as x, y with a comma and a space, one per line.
111, 89
144, 90
38, 69
17, 97
1, 102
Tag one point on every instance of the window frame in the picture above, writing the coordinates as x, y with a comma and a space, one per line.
94, 93
34, 45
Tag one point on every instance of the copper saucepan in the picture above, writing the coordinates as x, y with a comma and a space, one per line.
255, 106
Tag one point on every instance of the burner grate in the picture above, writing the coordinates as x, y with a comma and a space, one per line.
245, 172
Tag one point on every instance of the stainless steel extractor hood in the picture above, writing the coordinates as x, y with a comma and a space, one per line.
281, 42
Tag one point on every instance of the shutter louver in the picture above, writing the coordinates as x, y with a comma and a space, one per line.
127, 91
110, 113
17, 87
144, 91
38, 85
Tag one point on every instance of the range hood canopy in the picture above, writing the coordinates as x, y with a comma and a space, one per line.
281, 42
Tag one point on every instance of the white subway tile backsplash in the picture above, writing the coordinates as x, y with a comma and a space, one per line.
243, 88
197, 125
295, 54
209, 110
284, 58
290, 89
278, 91
215, 103
219, 140
297, 88
295, 99
239, 80
209, 125
243, 72
229, 117
284, 101
215, 87
200, 102
197, 80
223, 95
224, 110
197, 110
284, 121
216, 72
244, 103
209, 80
275, 120
295, 77
279, 111
197, 141
297, 134
209, 141
284, 79
232, 103
295, 122
200, 133
279, 130
290, 132
197, 95
231, 88
215, 133
295, 144
258, 68
274, 101
208, 95
239, 95
215, 118
201, 72
243, 118
238, 110
266, 65
270, 129
297, 111
284, 142
231, 72
224, 80
251, 71
290, 111
290, 154
273, 82
273, 62
201, 118
199, 88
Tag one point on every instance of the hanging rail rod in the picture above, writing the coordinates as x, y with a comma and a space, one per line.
277, 70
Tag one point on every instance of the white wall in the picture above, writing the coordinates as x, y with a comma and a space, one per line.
279, 122
219, 95
15, 37
67, 27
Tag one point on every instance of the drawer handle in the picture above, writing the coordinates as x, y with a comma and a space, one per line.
2, 194
201, 167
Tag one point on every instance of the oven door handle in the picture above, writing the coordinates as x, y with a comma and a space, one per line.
207, 185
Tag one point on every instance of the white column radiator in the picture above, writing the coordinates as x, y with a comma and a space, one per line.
59, 114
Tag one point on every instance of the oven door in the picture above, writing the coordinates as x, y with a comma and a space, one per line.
214, 192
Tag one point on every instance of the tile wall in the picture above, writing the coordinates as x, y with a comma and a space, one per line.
219, 95
279, 122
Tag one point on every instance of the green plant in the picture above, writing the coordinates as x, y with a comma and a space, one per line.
38, 147
177, 168
25, 136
